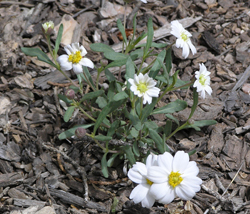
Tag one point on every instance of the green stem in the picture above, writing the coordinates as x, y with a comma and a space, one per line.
89, 82
176, 130
141, 107
86, 114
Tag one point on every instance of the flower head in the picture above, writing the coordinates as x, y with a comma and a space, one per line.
74, 59
202, 82
48, 26
144, 86
174, 176
138, 174
183, 40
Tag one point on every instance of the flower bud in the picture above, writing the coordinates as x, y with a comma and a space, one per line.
80, 132
70, 94
48, 27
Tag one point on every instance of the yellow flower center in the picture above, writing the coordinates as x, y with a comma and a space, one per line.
149, 182
142, 87
184, 36
76, 57
202, 79
174, 179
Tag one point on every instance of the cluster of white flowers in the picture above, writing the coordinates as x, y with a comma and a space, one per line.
163, 178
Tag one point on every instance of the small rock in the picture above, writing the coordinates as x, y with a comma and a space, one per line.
46, 210
5, 105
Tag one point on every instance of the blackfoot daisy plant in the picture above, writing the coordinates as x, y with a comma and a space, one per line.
118, 112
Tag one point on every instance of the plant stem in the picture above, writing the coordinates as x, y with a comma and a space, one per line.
86, 114
176, 130
89, 82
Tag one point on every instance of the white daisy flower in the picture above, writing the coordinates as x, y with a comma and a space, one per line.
202, 82
48, 25
174, 176
74, 59
183, 41
143, 86
138, 174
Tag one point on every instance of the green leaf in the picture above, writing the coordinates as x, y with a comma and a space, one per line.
109, 75
114, 204
64, 98
135, 121
129, 154
122, 30
111, 160
172, 118
134, 133
86, 71
115, 125
157, 139
197, 124
195, 103
157, 65
39, 54
151, 125
102, 138
136, 149
150, 35
68, 113
117, 63
117, 101
177, 105
154, 45
101, 101
104, 166
130, 69
192, 152
115, 56
100, 47
111, 90
168, 128
147, 110
138, 53
71, 132
58, 39
92, 95
134, 26
169, 60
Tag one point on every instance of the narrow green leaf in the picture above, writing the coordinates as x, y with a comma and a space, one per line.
157, 139
92, 95
68, 113
136, 149
109, 75
157, 65
172, 118
115, 56
111, 160
168, 128
102, 138
115, 125
129, 154
169, 60
101, 101
134, 26
195, 103
100, 47
116, 63
64, 98
135, 121
192, 152
70, 132
130, 70
150, 35
147, 110
154, 45
104, 166
39, 54
86, 71
134, 133
151, 125
177, 105
118, 100
201, 123
122, 30
58, 39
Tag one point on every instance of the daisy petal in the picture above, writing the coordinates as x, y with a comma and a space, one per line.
64, 63
180, 161
86, 62
77, 68
139, 193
